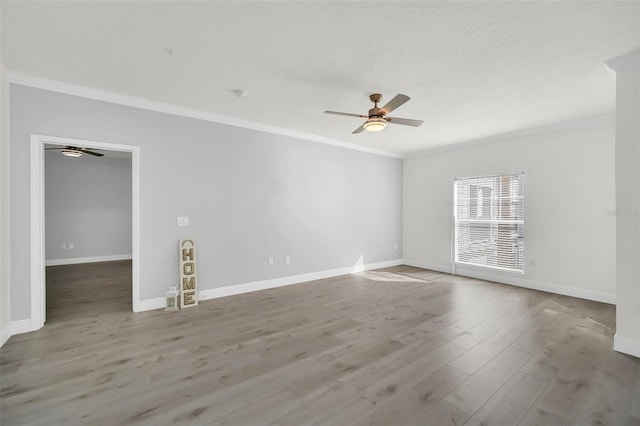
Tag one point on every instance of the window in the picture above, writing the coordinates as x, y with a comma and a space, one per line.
489, 221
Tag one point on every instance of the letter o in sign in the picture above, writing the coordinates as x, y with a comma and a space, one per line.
187, 268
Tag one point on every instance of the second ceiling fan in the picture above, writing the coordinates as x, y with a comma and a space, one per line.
74, 151
378, 117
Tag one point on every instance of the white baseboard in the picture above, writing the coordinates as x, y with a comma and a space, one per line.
519, 282
21, 326
231, 290
5, 333
214, 293
426, 265
149, 304
92, 259
626, 346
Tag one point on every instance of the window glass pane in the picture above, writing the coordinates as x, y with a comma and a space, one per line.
489, 221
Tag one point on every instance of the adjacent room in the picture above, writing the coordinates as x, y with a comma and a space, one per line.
87, 219
309, 212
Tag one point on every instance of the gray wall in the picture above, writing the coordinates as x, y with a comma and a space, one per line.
249, 194
87, 203
570, 241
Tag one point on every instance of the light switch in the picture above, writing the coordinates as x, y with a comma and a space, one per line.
183, 221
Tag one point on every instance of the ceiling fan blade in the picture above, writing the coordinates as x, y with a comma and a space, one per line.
395, 103
60, 147
348, 114
404, 121
358, 130
95, 154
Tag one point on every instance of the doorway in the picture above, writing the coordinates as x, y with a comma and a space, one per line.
38, 224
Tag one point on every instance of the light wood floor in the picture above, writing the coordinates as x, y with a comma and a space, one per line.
399, 346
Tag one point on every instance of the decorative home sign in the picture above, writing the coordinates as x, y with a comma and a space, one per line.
188, 280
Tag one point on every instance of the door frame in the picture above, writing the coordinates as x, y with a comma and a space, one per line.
38, 257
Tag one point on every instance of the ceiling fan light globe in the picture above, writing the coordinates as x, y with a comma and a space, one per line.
375, 124
71, 153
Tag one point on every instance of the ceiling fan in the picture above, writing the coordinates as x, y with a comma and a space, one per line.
377, 119
74, 151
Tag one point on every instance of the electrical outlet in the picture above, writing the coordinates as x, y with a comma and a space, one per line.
287, 259
271, 261
183, 221
63, 246
71, 246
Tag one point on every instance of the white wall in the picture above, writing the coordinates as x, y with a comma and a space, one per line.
627, 337
569, 203
4, 209
88, 204
248, 194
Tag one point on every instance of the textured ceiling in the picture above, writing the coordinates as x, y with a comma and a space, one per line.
473, 69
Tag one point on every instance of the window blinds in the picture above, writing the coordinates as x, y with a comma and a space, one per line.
489, 221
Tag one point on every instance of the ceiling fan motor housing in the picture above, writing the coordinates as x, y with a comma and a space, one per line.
376, 112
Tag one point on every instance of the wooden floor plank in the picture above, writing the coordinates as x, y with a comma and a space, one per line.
481, 386
398, 346
421, 401
472, 360
510, 404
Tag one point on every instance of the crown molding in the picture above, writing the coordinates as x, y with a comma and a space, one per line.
131, 101
624, 62
518, 133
